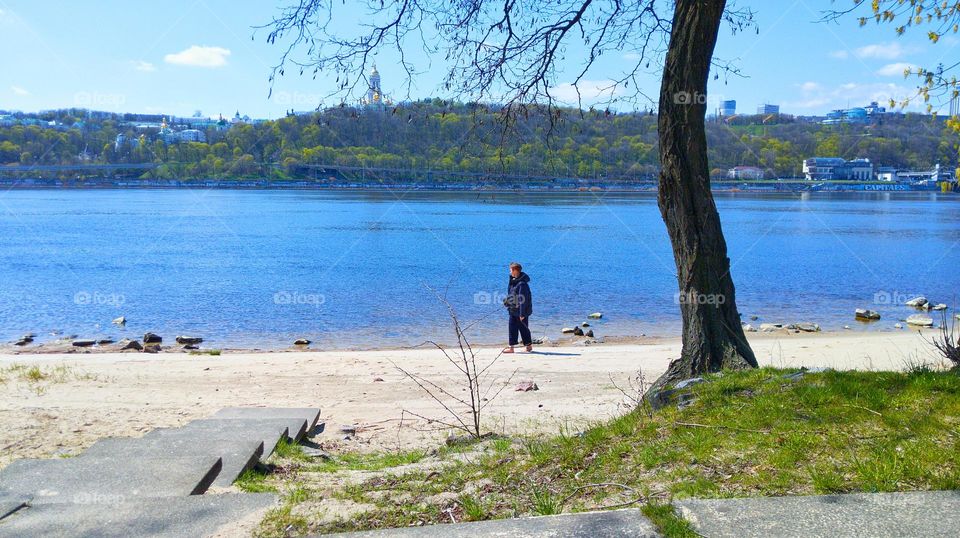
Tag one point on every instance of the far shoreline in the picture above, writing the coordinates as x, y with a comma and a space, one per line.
170, 348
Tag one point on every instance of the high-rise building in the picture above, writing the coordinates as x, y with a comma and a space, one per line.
768, 109
728, 108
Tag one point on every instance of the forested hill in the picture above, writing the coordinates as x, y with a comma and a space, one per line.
440, 136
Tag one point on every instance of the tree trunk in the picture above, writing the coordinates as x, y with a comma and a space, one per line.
712, 335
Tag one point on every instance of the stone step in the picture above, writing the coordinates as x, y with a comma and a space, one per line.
84, 479
237, 454
609, 524
309, 415
11, 503
915, 513
170, 517
210, 430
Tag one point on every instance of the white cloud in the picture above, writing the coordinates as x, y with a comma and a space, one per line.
840, 54
18, 90
883, 51
851, 94
810, 86
199, 56
895, 69
141, 65
590, 91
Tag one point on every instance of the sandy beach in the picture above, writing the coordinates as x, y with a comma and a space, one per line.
79, 398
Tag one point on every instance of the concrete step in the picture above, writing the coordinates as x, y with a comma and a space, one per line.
11, 503
269, 431
170, 517
610, 524
237, 454
93, 478
916, 513
309, 415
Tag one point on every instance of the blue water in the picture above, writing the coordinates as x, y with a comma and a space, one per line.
354, 269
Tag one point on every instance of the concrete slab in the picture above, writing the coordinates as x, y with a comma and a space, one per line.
927, 514
609, 524
10, 504
99, 478
170, 517
237, 454
308, 414
269, 430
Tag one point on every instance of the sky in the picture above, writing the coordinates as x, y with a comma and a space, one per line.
177, 57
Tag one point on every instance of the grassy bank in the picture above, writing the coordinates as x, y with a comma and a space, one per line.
747, 434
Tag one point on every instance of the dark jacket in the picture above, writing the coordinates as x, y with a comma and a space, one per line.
519, 301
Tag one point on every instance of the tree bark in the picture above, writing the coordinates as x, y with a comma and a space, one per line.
713, 338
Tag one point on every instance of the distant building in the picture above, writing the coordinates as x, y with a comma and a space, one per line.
866, 114
768, 109
835, 168
124, 140
933, 175
887, 173
192, 135
745, 172
375, 97
728, 108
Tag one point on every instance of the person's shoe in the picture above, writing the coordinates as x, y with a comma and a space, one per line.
529, 348
508, 349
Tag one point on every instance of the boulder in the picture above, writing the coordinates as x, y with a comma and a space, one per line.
749, 328
917, 302
770, 327
596, 315
862, 314
120, 321
577, 331
688, 383
151, 348
920, 320
939, 306
806, 327
526, 386
589, 333
126, 343
584, 324
152, 338
24, 340
83, 342
189, 340
567, 330
104, 341
301, 342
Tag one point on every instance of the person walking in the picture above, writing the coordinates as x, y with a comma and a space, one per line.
519, 303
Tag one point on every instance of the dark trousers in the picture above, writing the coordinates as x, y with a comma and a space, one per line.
520, 327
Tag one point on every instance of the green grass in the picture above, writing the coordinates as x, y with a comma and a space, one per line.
366, 462
751, 433
254, 481
213, 352
38, 378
